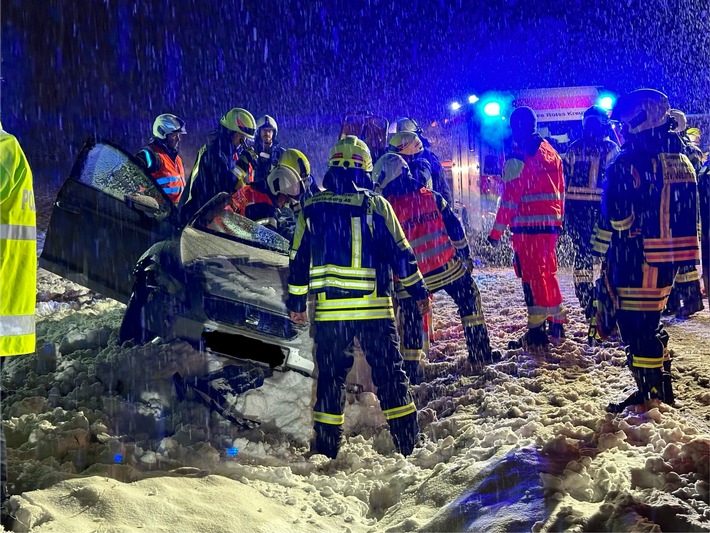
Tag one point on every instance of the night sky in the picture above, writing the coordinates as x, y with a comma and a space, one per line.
72, 68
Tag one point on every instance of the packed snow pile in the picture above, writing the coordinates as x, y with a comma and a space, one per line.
96, 435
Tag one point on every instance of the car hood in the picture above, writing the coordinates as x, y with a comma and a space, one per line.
235, 270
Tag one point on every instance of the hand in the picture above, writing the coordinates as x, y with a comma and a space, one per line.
493, 242
424, 306
298, 318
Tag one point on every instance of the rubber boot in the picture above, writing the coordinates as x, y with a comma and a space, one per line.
328, 438
534, 339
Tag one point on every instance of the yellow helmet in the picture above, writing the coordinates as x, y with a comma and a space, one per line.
241, 121
642, 109
296, 160
406, 143
285, 180
693, 131
351, 153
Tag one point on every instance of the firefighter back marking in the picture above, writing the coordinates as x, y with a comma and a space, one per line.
676, 168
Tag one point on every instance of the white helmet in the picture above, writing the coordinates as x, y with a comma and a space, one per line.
267, 122
407, 124
285, 180
165, 124
388, 168
680, 120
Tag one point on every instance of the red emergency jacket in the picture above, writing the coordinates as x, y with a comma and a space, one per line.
423, 225
255, 205
533, 192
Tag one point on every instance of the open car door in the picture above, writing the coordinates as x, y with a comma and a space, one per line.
106, 215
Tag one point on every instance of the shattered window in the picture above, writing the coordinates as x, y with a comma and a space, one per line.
230, 223
110, 170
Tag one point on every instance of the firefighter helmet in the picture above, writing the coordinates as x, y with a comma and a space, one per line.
165, 124
406, 143
681, 123
239, 120
285, 180
642, 109
388, 168
267, 122
407, 124
296, 160
597, 112
351, 153
523, 121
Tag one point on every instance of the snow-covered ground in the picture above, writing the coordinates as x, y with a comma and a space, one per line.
97, 441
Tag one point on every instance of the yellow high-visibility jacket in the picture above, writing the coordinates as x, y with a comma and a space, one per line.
18, 250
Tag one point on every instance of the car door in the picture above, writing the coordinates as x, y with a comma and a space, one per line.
106, 215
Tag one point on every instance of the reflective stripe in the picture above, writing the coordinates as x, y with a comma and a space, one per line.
460, 244
543, 197
432, 252
356, 231
18, 232
536, 218
148, 159
343, 284
411, 354
327, 418
647, 362
411, 280
398, 412
473, 320
583, 276
168, 179
582, 197
621, 225
298, 290
11, 325
375, 314
508, 204
346, 271
688, 277
354, 303
499, 227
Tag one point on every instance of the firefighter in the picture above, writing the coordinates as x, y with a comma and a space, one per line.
685, 298
18, 268
532, 205
348, 243
444, 259
160, 158
261, 200
585, 163
651, 236
437, 170
422, 162
704, 195
224, 164
267, 147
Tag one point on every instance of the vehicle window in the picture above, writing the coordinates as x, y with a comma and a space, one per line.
111, 171
230, 223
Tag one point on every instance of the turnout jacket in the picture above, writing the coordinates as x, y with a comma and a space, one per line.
652, 192
585, 171
533, 191
18, 250
346, 247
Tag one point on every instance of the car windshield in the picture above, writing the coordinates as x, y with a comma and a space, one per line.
229, 223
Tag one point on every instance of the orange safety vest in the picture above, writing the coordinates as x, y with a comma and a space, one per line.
424, 228
171, 176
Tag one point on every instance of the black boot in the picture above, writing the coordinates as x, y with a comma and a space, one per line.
534, 339
556, 330
405, 433
328, 438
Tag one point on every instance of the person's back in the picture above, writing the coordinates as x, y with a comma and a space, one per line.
347, 245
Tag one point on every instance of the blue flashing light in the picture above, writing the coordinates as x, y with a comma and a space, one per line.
492, 109
232, 452
606, 102
118, 458
473, 99
455, 106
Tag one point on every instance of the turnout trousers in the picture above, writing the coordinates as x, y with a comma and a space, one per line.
380, 343
465, 294
535, 263
642, 291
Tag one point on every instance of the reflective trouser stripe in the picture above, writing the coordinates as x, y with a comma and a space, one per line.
411, 354
473, 320
18, 232
642, 299
537, 315
688, 277
583, 276
647, 362
328, 418
398, 412
354, 309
